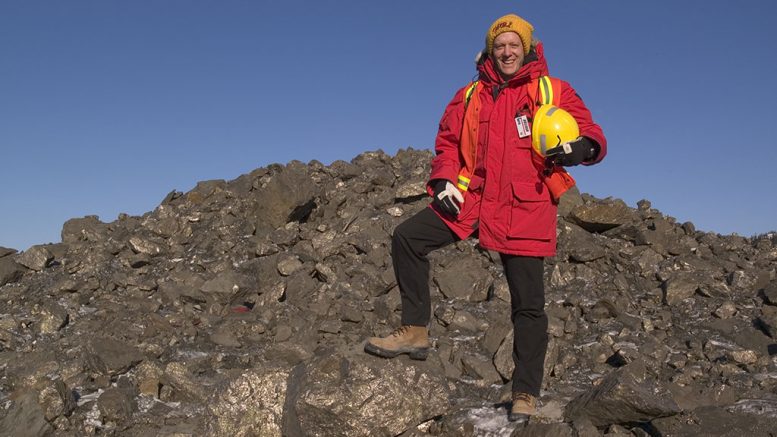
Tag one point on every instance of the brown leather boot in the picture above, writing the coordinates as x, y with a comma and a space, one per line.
524, 405
407, 339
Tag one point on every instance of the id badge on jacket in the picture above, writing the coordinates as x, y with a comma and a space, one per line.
522, 123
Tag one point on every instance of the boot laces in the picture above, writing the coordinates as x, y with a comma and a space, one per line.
399, 332
524, 397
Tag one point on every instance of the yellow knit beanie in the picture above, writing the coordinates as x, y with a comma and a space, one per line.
510, 23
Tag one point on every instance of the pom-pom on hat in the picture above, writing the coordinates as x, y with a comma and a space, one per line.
510, 23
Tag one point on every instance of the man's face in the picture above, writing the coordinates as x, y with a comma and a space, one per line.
507, 54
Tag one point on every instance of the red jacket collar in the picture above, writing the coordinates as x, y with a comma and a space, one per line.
533, 69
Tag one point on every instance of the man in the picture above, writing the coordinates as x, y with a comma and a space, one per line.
507, 195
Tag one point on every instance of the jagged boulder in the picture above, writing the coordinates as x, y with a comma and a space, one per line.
35, 258
463, 278
602, 216
249, 403
626, 395
10, 270
88, 228
740, 419
283, 194
352, 394
25, 418
112, 357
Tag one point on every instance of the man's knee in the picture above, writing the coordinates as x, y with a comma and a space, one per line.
530, 313
400, 233
409, 230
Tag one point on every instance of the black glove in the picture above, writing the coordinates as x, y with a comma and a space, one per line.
572, 153
447, 197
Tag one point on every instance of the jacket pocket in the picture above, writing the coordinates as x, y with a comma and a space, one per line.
475, 184
532, 214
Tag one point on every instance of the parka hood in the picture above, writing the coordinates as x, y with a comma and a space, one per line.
534, 67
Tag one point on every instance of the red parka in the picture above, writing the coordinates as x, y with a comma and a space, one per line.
507, 200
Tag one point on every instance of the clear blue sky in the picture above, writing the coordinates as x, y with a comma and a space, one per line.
106, 106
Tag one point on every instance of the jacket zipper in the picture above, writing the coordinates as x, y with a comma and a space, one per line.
498, 89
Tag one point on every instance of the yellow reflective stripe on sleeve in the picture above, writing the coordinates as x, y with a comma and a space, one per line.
546, 89
468, 93
463, 183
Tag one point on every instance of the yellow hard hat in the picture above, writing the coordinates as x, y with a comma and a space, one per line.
552, 127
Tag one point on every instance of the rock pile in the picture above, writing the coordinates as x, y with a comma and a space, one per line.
240, 308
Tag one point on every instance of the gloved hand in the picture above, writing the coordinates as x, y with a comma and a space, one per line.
447, 197
572, 153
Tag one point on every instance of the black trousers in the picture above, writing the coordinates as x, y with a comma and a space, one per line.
416, 237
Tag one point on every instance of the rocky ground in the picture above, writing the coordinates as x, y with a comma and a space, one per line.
240, 308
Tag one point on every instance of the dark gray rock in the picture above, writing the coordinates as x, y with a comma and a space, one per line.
646, 260
465, 321
463, 278
52, 318
5, 251
770, 293
115, 405
10, 271
228, 283
545, 430
726, 310
111, 357
289, 354
165, 222
495, 334
344, 170
740, 279
480, 367
183, 383
55, 399
35, 258
767, 322
584, 428
642, 234
88, 228
147, 245
602, 216
569, 201
288, 264
717, 421
25, 418
626, 395
205, 190
503, 358
281, 191
411, 190
692, 396
581, 244
225, 336
680, 286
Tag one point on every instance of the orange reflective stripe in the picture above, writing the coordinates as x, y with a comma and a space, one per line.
469, 135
